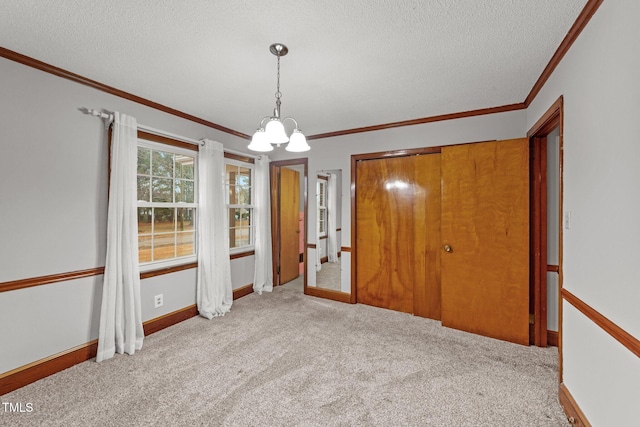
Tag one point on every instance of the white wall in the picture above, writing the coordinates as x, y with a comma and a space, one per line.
53, 195
599, 81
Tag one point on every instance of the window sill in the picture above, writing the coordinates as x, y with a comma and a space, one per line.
167, 270
241, 253
163, 265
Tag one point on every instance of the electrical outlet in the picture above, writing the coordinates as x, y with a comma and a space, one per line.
158, 301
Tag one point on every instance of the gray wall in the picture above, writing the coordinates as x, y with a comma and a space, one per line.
599, 81
53, 190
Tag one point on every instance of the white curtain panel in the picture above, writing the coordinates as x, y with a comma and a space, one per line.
263, 274
332, 205
121, 315
214, 294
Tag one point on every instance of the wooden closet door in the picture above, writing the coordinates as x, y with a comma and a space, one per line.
397, 229
485, 238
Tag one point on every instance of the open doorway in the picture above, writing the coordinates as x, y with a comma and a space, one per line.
288, 219
546, 232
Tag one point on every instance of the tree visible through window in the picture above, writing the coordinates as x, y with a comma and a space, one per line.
166, 202
239, 183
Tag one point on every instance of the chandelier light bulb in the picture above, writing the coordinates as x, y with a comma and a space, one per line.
259, 142
298, 142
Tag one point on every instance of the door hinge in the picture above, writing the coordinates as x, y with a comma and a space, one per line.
532, 319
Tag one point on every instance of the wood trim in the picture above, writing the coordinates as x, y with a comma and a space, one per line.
553, 269
396, 153
168, 270
239, 157
324, 259
345, 249
552, 338
623, 337
64, 277
242, 254
323, 237
552, 118
328, 294
27, 374
243, 291
354, 242
575, 416
169, 319
423, 120
52, 278
538, 249
549, 120
311, 245
163, 140
47, 68
32, 372
581, 22
338, 229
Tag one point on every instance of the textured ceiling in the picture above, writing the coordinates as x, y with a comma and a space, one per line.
350, 64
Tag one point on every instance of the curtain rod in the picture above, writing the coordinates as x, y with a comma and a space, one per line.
109, 118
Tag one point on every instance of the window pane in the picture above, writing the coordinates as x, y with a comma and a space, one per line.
241, 237
163, 220
232, 195
184, 166
164, 246
243, 195
234, 217
243, 177
184, 191
144, 220
162, 164
162, 190
144, 190
231, 172
144, 161
144, 248
245, 217
185, 244
186, 219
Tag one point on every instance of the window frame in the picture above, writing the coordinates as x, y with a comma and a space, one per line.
242, 163
175, 147
322, 187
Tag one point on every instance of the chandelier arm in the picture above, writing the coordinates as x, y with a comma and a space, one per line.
262, 121
293, 120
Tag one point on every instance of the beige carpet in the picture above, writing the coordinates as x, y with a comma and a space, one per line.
286, 359
329, 276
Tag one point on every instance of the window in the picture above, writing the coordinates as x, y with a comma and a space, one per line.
322, 205
239, 183
166, 204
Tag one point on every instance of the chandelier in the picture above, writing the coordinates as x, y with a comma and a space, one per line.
273, 132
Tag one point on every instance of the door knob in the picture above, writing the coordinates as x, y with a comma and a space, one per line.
448, 248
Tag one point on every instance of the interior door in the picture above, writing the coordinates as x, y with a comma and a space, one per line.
289, 224
485, 236
398, 229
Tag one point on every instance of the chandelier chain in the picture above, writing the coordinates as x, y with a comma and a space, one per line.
278, 93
